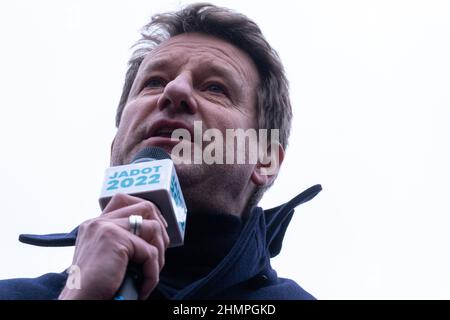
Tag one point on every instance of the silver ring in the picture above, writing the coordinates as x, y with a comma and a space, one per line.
135, 224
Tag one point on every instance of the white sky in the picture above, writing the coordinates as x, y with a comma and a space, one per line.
370, 89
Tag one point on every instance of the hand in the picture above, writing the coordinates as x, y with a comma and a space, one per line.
105, 246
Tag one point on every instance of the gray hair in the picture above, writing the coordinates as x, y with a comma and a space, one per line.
273, 107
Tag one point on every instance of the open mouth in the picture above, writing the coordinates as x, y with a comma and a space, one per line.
165, 129
163, 132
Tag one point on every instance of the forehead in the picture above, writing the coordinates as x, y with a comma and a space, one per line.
201, 50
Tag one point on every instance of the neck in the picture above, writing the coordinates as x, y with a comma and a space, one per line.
208, 239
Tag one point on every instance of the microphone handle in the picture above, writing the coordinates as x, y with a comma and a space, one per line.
129, 288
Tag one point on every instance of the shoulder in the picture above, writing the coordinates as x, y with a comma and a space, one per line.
45, 287
262, 288
287, 289
282, 289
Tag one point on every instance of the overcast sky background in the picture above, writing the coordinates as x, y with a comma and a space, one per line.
370, 87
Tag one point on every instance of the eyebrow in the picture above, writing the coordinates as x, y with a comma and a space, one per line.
223, 71
156, 64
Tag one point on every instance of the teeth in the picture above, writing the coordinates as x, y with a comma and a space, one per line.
164, 132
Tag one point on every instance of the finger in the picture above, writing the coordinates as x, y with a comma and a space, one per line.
120, 200
149, 230
153, 233
145, 255
144, 208
150, 277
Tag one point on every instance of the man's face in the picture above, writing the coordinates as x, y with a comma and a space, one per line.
192, 77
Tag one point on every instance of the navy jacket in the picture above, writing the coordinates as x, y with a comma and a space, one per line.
244, 273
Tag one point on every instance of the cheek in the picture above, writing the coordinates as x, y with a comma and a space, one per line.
138, 108
229, 119
135, 113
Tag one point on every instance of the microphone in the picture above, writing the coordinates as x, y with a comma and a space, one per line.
151, 175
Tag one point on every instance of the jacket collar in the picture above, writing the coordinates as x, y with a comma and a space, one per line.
276, 222
277, 219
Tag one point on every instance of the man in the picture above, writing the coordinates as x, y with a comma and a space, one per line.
208, 64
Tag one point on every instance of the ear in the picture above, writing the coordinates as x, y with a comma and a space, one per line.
268, 166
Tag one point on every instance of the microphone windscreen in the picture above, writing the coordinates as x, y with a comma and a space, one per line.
150, 153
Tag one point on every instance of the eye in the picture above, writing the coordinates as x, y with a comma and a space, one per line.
154, 83
216, 88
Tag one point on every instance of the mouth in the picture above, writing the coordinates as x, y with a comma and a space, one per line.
163, 130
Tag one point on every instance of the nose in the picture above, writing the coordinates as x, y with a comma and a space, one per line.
178, 95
